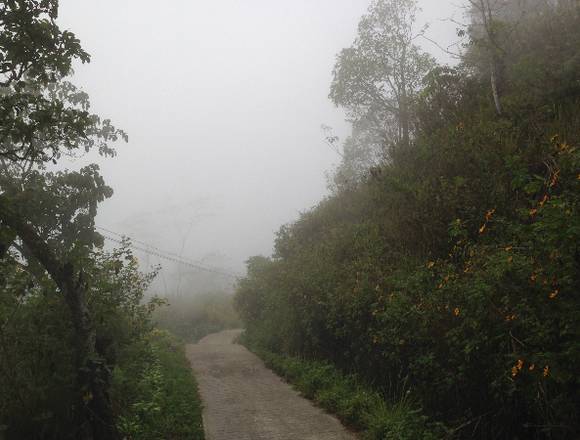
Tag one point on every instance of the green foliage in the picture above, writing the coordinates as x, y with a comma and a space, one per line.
153, 392
36, 339
157, 392
452, 270
377, 79
355, 403
193, 317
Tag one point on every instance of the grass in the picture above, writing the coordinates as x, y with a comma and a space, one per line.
357, 405
163, 394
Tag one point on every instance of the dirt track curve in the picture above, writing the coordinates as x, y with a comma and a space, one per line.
243, 400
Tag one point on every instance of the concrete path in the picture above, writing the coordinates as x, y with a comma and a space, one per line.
243, 400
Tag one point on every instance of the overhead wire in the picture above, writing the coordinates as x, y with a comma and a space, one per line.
165, 255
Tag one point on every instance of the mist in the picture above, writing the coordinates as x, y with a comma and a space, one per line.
223, 103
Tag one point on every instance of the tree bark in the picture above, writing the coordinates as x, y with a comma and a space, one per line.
94, 416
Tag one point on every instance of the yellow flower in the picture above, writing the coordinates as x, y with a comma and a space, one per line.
456, 311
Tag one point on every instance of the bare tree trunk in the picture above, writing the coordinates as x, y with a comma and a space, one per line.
94, 415
484, 9
404, 103
495, 87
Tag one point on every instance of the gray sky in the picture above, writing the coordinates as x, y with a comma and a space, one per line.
223, 103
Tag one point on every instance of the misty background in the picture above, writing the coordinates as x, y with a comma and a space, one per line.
223, 102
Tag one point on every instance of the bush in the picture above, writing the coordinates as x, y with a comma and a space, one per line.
160, 394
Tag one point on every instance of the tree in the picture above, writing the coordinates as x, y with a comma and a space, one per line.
361, 151
47, 218
378, 77
485, 31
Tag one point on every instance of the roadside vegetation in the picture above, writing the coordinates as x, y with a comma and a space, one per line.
354, 402
79, 356
157, 393
191, 317
445, 264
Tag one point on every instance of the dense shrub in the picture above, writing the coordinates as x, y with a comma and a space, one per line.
153, 393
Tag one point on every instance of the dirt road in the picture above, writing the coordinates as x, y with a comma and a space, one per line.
245, 401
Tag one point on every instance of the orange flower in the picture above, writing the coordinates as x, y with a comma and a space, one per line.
517, 367
564, 147
546, 371
555, 178
554, 294
489, 214
456, 311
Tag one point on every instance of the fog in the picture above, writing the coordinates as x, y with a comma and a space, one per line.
223, 103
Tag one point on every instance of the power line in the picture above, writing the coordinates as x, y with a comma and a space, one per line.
149, 246
169, 256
